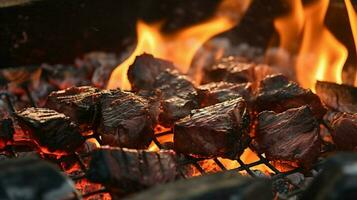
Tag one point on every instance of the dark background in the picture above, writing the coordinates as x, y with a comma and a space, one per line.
57, 31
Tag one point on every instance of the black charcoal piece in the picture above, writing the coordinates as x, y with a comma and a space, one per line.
34, 179
337, 180
223, 185
6, 132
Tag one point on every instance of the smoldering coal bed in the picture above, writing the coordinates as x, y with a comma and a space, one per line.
240, 100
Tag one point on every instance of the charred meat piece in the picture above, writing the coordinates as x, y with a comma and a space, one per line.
78, 103
218, 92
344, 133
218, 130
143, 72
236, 70
34, 179
177, 93
339, 97
125, 171
277, 93
125, 120
6, 132
53, 131
222, 185
290, 137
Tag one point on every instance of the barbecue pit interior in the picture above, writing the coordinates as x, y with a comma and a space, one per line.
192, 99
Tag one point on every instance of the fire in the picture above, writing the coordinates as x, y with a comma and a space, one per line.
352, 15
290, 36
320, 56
180, 47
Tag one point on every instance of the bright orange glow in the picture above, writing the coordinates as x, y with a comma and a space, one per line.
289, 27
321, 56
179, 47
352, 15
249, 157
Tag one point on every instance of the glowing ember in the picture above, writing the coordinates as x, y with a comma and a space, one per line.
321, 56
178, 47
352, 15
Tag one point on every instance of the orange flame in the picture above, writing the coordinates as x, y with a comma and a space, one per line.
321, 56
295, 20
178, 47
352, 15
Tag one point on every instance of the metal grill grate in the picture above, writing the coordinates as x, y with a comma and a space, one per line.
283, 187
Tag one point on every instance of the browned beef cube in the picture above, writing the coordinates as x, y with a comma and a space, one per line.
344, 133
218, 130
218, 92
125, 120
53, 131
125, 170
78, 103
236, 70
6, 132
178, 95
277, 93
143, 72
290, 137
339, 97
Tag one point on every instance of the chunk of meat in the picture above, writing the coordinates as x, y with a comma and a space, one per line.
338, 97
78, 103
125, 120
143, 72
217, 92
291, 137
177, 94
344, 133
125, 171
236, 70
277, 93
53, 131
218, 130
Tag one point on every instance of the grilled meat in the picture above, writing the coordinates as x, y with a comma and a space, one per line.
290, 137
78, 103
125, 171
53, 131
126, 120
218, 130
217, 92
339, 97
277, 93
